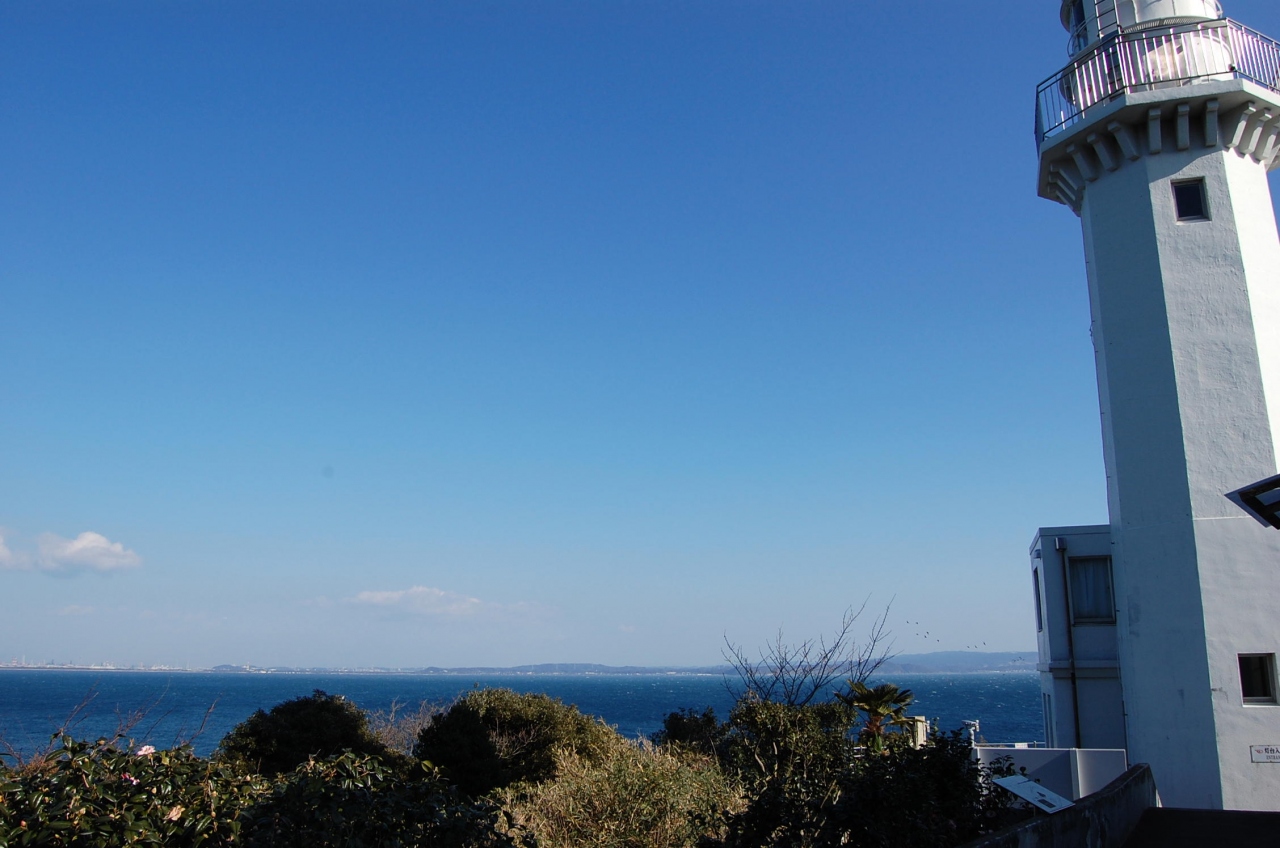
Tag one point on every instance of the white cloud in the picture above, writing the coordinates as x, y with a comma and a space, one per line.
76, 609
87, 552
11, 561
422, 600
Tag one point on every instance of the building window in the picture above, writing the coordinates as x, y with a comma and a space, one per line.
1035, 579
1258, 678
1048, 719
1091, 599
1190, 199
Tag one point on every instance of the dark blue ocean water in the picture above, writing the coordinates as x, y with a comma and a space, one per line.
34, 703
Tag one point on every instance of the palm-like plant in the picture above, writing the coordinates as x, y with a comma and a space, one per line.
884, 706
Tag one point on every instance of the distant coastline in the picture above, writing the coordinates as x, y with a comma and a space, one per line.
940, 662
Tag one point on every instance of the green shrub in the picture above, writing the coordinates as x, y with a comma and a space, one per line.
493, 738
791, 760
769, 742
627, 795
317, 725
353, 800
90, 795
691, 730
932, 797
100, 796
936, 796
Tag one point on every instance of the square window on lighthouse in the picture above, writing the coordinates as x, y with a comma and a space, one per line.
1258, 678
1190, 199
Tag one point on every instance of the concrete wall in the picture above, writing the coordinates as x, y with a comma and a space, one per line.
1102, 820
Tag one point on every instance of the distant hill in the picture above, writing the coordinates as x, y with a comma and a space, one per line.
933, 663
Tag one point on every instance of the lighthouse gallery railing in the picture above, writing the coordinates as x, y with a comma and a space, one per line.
1154, 59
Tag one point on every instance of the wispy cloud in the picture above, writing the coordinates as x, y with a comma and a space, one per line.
87, 552
422, 601
12, 561
75, 609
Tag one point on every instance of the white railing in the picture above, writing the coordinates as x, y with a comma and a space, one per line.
1152, 59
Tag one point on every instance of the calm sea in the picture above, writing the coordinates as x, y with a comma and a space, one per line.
33, 704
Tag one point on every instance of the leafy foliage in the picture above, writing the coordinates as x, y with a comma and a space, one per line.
100, 796
93, 795
884, 706
693, 731
493, 738
792, 759
629, 795
317, 725
935, 796
809, 783
354, 800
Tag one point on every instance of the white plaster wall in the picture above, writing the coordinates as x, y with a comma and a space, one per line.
1185, 328
1226, 431
1161, 637
1240, 578
1259, 242
1224, 353
1101, 709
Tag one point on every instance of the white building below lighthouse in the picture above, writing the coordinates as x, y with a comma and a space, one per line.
1160, 631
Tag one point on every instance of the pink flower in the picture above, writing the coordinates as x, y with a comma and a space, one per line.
145, 750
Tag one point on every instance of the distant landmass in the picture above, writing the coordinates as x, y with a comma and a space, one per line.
940, 662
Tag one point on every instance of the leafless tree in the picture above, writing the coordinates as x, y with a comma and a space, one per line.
795, 674
398, 727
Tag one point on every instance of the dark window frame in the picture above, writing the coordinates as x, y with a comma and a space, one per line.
1089, 618
1258, 683
1035, 580
1191, 200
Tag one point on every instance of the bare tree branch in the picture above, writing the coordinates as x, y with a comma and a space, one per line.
796, 674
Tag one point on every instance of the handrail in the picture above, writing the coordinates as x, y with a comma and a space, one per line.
1078, 40
1152, 59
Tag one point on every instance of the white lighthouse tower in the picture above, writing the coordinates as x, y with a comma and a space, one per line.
1159, 134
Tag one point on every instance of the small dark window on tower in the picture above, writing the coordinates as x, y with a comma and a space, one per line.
1258, 678
1190, 199
1035, 578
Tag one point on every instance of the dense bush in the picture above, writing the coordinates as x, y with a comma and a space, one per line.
627, 795
357, 801
935, 796
809, 782
317, 725
691, 730
493, 738
791, 759
99, 795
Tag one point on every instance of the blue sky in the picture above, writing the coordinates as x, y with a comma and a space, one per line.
391, 333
